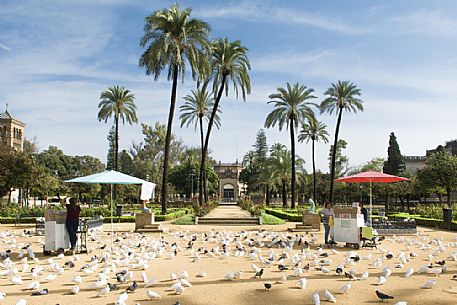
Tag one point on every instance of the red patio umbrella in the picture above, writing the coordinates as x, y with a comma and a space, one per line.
370, 177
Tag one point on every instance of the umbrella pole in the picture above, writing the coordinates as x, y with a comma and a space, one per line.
371, 206
112, 226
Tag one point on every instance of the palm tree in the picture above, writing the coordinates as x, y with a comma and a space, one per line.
196, 108
173, 38
230, 65
343, 95
291, 108
279, 165
120, 103
314, 131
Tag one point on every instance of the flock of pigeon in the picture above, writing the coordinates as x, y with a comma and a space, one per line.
120, 269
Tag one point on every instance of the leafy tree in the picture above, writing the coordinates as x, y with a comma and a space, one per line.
292, 107
440, 172
395, 161
261, 147
314, 131
180, 178
173, 37
229, 65
279, 164
341, 162
196, 108
120, 103
343, 95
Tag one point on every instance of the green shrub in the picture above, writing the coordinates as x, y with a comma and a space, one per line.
284, 215
268, 219
185, 220
205, 208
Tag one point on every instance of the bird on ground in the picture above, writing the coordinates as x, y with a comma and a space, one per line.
44, 291
339, 270
401, 303
151, 283
409, 272
267, 286
113, 287
33, 285
153, 295
383, 296
132, 287
345, 288
16, 280
350, 276
429, 284
441, 263
381, 280
259, 274
201, 274
329, 296
302, 283
21, 302
177, 303
2, 296
282, 267
102, 292
364, 276
122, 298
75, 289
316, 298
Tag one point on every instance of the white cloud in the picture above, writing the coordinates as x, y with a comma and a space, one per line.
4, 47
435, 22
256, 11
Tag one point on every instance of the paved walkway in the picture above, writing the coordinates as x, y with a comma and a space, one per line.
228, 211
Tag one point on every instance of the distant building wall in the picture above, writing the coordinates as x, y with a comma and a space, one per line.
229, 185
414, 163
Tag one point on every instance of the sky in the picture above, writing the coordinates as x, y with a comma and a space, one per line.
56, 57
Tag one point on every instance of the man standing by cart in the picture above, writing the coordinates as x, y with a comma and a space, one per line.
327, 219
72, 222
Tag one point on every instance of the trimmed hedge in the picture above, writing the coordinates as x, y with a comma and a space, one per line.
12, 220
425, 221
268, 219
284, 215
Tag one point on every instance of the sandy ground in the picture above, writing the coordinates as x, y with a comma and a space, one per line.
215, 289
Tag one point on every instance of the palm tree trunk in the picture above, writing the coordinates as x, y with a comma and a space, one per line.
284, 195
314, 173
210, 125
200, 181
332, 170
174, 88
116, 143
292, 145
116, 152
267, 199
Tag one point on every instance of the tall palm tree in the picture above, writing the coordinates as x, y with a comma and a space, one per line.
292, 107
343, 95
230, 65
173, 39
196, 108
279, 165
120, 103
314, 131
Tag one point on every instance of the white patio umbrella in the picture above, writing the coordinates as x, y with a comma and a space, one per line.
109, 177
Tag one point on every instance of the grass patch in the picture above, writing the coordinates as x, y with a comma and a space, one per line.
268, 219
185, 220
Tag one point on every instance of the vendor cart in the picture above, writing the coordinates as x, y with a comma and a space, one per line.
347, 224
56, 235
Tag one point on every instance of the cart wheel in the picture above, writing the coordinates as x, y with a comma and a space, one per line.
46, 253
356, 246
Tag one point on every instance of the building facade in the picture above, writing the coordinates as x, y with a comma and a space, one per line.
415, 163
229, 188
11, 131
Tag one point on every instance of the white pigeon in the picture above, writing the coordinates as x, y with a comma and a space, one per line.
298, 272
329, 296
185, 283
122, 298
75, 289
21, 302
102, 292
302, 283
50, 277
153, 295
255, 268
16, 280
33, 285
429, 284
2, 296
230, 276
381, 280
345, 288
77, 280
364, 276
184, 274
201, 274
173, 276
180, 289
409, 272
423, 269
151, 283
401, 303
316, 298
144, 277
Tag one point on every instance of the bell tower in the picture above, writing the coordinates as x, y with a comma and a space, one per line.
11, 131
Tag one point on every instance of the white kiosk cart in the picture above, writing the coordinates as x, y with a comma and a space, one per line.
56, 235
347, 224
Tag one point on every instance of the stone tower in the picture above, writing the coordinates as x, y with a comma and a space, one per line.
11, 131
